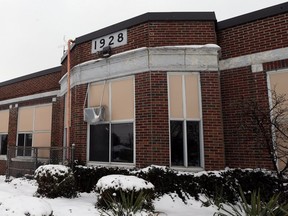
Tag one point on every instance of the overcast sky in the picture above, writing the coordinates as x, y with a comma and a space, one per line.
33, 32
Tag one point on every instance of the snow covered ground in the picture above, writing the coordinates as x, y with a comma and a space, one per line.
16, 199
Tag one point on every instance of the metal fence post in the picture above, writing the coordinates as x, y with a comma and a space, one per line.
36, 158
8, 164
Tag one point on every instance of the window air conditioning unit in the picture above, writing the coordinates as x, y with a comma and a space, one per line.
94, 115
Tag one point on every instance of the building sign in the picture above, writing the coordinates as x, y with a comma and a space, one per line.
112, 40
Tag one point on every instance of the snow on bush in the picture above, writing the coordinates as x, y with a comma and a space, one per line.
24, 206
124, 195
55, 170
126, 183
55, 181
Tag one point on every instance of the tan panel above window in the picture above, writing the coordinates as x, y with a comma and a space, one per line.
43, 118
42, 140
122, 99
98, 92
4, 121
192, 96
176, 96
25, 119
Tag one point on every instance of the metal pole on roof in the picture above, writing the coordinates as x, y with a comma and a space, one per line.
68, 96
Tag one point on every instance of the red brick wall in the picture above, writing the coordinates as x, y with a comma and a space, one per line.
57, 128
275, 65
238, 87
79, 127
152, 126
258, 36
153, 34
12, 129
49, 82
214, 152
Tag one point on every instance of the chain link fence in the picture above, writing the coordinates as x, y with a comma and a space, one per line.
25, 160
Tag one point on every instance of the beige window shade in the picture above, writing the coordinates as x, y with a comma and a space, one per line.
43, 118
176, 96
96, 91
4, 121
192, 96
25, 119
42, 140
122, 99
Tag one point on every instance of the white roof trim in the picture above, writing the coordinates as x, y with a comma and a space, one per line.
29, 97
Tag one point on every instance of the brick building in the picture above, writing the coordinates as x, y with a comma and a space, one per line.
160, 88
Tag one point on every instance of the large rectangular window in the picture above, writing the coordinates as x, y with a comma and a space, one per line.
112, 140
121, 148
185, 120
34, 129
3, 144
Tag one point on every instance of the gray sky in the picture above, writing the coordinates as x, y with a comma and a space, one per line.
33, 32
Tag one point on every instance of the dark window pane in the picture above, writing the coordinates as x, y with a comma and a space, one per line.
24, 145
177, 151
28, 144
122, 142
3, 142
20, 144
193, 143
99, 143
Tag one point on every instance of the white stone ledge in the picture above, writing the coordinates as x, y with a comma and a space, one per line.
255, 59
29, 97
169, 58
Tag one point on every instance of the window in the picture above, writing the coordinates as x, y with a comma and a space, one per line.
4, 124
3, 144
185, 120
112, 141
277, 81
25, 144
34, 129
99, 142
122, 142
121, 147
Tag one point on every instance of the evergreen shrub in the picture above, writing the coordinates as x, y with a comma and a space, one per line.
55, 181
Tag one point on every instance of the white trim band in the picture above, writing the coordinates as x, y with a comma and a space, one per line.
30, 97
254, 59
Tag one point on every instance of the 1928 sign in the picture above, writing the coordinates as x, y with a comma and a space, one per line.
113, 40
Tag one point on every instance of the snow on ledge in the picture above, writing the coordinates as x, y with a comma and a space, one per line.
124, 182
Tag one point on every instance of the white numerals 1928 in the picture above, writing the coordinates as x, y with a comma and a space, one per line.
112, 40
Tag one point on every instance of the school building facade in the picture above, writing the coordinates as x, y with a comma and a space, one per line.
160, 88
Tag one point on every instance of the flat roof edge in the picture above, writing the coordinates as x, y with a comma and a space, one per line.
151, 16
32, 75
255, 15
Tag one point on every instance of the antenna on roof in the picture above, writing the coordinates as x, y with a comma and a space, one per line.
63, 46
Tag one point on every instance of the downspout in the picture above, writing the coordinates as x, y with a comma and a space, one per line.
68, 96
